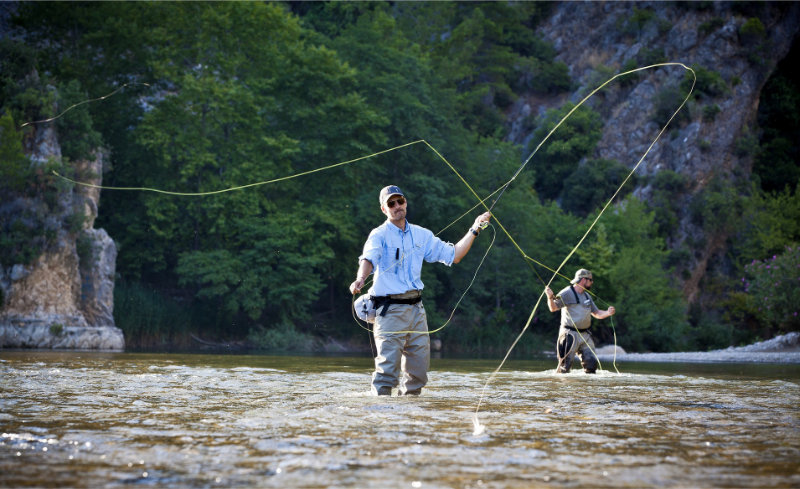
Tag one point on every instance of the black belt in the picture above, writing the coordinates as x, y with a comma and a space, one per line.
384, 301
578, 330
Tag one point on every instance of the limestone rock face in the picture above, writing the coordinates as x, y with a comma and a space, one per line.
65, 298
97, 278
48, 288
598, 39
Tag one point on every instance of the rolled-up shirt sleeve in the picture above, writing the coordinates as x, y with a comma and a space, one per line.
439, 251
372, 249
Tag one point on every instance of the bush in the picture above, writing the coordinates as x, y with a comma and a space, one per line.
667, 101
752, 30
549, 78
627, 259
753, 36
592, 184
84, 246
148, 318
746, 145
709, 83
558, 157
631, 78
76, 135
773, 286
668, 187
652, 56
645, 57
717, 208
284, 338
635, 24
710, 112
710, 335
710, 26
14, 166
76, 220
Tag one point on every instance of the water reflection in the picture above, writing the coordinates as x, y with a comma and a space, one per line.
110, 420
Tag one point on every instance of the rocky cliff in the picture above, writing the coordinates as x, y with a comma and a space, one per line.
65, 298
737, 43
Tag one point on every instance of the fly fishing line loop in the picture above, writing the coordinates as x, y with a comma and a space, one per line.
481, 201
458, 303
478, 427
51, 119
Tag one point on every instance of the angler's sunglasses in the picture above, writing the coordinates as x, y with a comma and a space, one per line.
400, 201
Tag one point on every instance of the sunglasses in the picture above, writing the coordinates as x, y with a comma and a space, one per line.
399, 201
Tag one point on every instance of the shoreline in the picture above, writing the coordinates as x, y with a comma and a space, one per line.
781, 349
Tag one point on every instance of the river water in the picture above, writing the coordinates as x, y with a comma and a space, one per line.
180, 420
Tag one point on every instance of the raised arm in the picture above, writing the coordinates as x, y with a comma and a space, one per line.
551, 299
463, 246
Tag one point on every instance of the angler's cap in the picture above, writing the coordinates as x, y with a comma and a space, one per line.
582, 273
388, 191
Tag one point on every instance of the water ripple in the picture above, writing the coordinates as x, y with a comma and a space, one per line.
102, 420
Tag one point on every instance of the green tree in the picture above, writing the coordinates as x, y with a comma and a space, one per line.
777, 160
768, 222
772, 288
241, 111
668, 189
651, 314
561, 153
593, 183
76, 134
14, 166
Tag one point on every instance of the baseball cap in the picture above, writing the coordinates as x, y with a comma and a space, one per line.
388, 191
582, 273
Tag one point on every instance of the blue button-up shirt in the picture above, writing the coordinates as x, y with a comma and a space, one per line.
396, 256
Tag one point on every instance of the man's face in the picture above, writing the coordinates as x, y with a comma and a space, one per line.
587, 282
395, 207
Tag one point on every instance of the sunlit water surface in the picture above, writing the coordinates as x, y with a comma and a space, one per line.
173, 420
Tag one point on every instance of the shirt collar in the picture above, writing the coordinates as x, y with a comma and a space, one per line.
394, 227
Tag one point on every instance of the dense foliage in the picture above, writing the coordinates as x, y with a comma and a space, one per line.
773, 287
217, 95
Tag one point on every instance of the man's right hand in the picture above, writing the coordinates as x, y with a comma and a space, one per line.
356, 286
548, 292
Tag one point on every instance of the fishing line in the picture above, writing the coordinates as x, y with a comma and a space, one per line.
458, 303
297, 175
275, 180
84, 102
239, 187
580, 334
478, 427
481, 201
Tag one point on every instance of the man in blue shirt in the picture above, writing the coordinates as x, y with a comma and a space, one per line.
394, 251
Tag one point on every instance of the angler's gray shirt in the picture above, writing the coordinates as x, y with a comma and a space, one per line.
575, 313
